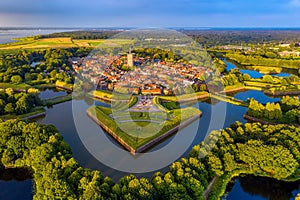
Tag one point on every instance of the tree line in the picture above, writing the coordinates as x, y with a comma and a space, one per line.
259, 60
18, 103
229, 152
53, 65
287, 110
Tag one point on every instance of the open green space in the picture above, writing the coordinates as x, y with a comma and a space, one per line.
61, 42
186, 97
137, 138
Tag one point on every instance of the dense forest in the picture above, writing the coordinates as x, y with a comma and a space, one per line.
259, 60
285, 111
39, 67
92, 34
18, 103
207, 38
56, 174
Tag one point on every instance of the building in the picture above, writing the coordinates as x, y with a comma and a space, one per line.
129, 59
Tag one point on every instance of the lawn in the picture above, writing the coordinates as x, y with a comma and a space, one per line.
136, 130
186, 97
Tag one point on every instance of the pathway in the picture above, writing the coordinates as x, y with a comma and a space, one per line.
209, 187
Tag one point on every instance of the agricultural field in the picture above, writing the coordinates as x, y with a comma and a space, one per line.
61, 42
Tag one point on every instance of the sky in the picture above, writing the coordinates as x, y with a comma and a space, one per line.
149, 13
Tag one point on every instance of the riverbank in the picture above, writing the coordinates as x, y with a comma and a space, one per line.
282, 93
254, 119
35, 113
57, 100
186, 97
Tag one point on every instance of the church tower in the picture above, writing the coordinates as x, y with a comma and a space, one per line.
130, 59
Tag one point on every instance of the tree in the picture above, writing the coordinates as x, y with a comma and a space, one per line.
16, 79
2, 106
22, 105
40, 77
9, 108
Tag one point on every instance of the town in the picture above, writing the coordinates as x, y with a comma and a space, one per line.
138, 75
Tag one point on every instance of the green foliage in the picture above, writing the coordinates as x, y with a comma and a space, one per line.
258, 60
16, 67
17, 103
286, 111
16, 79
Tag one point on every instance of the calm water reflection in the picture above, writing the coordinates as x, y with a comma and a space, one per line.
259, 188
16, 184
252, 73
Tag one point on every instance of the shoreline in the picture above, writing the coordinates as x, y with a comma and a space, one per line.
254, 119
295, 92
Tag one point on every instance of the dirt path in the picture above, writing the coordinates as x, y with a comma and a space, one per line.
208, 189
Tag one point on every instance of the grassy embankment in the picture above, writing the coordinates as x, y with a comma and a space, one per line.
137, 138
26, 86
35, 112
186, 97
267, 69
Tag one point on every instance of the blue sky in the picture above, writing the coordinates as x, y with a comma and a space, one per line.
150, 13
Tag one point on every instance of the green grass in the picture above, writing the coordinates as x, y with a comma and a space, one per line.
230, 100
61, 42
233, 87
57, 100
135, 138
267, 69
110, 96
34, 111
184, 97
64, 85
21, 86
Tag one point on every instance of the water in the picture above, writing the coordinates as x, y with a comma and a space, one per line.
259, 188
52, 93
7, 35
257, 95
62, 117
252, 73
13, 180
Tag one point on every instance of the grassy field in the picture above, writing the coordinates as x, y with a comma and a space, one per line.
108, 95
186, 97
267, 69
61, 42
137, 137
234, 87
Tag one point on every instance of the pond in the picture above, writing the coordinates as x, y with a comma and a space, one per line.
7, 35
52, 93
260, 188
257, 95
252, 73
12, 180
